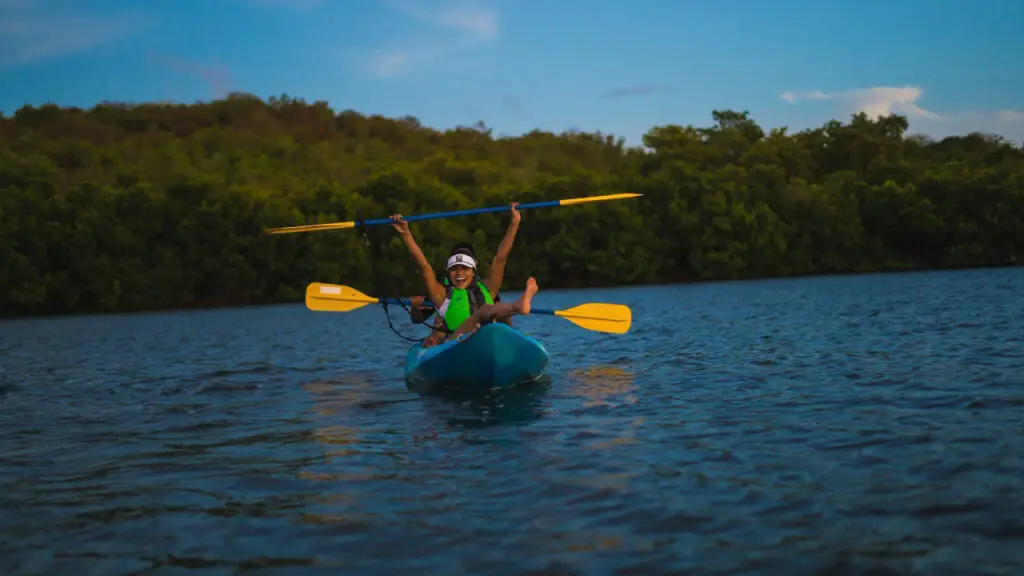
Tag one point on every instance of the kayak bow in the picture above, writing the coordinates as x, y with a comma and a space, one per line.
494, 356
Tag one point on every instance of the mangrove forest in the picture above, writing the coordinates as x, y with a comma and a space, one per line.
129, 207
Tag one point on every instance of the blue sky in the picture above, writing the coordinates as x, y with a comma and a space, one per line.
616, 66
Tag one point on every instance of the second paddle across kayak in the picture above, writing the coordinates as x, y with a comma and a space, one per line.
494, 356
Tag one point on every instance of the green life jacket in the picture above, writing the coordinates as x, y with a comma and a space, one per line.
462, 303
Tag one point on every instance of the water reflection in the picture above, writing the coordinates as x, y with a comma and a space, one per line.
331, 398
603, 384
359, 455
351, 391
333, 401
604, 389
516, 405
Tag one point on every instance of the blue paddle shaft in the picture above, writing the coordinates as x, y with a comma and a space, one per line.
400, 301
468, 212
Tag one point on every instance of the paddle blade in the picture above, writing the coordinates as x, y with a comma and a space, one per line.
311, 227
613, 318
322, 297
606, 197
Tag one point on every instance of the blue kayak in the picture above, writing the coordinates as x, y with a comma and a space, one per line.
495, 356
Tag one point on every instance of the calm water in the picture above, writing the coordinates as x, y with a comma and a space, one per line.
816, 426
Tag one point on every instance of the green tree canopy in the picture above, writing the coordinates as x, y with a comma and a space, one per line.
129, 207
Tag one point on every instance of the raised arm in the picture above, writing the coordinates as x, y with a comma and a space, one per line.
497, 272
435, 291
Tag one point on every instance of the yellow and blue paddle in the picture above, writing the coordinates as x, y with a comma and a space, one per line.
599, 317
377, 221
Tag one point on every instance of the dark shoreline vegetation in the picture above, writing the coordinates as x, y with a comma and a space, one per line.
160, 206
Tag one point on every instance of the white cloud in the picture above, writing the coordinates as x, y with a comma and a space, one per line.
875, 101
30, 35
466, 16
880, 101
31, 39
449, 27
388, 64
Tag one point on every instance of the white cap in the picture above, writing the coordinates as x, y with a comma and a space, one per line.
461, 260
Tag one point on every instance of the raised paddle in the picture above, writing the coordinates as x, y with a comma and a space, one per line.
599, 317
377, 221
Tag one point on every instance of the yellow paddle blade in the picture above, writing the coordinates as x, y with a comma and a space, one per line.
312, 227
623, 196
322, 297
613, 318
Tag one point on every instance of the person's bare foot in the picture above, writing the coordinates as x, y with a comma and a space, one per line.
522, 304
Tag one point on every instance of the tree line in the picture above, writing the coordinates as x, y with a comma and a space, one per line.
128, 207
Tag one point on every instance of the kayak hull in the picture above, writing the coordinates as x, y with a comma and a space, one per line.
494, 356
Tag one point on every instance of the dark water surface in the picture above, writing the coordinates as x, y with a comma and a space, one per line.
869, 424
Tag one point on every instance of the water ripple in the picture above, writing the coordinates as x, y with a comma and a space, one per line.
848, 425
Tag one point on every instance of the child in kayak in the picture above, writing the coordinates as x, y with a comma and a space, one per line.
499, 312
461, 293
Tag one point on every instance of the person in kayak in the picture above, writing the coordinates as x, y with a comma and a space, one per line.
499, 312
422, 308
461, 292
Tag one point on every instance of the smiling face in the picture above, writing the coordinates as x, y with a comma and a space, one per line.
460, 276
461, 269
